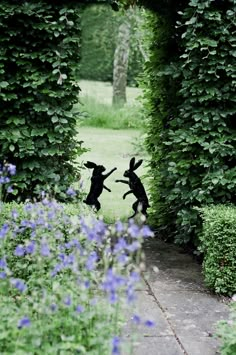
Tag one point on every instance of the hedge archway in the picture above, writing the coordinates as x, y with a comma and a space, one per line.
190, 101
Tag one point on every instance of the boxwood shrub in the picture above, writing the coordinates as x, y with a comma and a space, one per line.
218, 243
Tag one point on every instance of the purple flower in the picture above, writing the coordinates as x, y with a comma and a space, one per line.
120, 245
87, 284
3, 263
149, 323
19, 251
45, 251
130, 293
19, 284
67, 301
53, 307
4, 230
134, 246
71, 192
56, 270
14, 214
24, 322
3, 275
112, 284
91, 261
30, 248
79, 309
119, 227
146, 232
9, 189
134, 230
123, 259
116, 346
11, 169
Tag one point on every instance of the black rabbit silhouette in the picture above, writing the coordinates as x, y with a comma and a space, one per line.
97, 184
136, 188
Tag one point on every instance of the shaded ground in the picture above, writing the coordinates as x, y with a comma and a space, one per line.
184, 311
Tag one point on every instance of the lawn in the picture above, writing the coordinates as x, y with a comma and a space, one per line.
102, 91
112, 148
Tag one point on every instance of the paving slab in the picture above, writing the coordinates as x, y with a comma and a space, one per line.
174, 296
157, 346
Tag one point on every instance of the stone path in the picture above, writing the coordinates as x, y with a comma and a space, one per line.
184, 311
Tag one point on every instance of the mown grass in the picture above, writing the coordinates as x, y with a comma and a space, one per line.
112, 148
96, 110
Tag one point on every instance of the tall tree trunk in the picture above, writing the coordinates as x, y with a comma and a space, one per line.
120, 64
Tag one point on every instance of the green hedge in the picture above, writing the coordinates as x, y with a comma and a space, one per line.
192, 132
218, 243
38, 69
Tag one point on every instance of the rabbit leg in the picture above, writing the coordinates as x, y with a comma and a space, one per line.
97, 205
106, 188
108, 174
135, 208
127, 193
124, 181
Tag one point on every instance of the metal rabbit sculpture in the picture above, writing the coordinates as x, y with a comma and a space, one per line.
97, 184
136, 188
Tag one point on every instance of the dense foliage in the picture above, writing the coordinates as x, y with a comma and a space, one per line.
217, 242
38, 64
196, 163
63, 288
99, 29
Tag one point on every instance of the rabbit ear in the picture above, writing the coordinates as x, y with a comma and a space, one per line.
137, 165
90, 165
131, 163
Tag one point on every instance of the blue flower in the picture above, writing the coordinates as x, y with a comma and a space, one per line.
120, 245
3, 263
91, 261
71, 192
53, 307
11, 169
79, 309
19, 251
30, 248
19, 284
14, 214
24, 322
146, 232
134, 246
149, 323
67, 301
134, 230
119, 227
3, 275
45, 251
4, 230
9, 189
116, 346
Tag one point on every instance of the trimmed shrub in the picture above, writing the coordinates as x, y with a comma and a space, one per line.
218, 243
38, 70
192, 116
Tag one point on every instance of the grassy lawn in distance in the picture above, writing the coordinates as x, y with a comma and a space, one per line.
102, 91
112, 148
